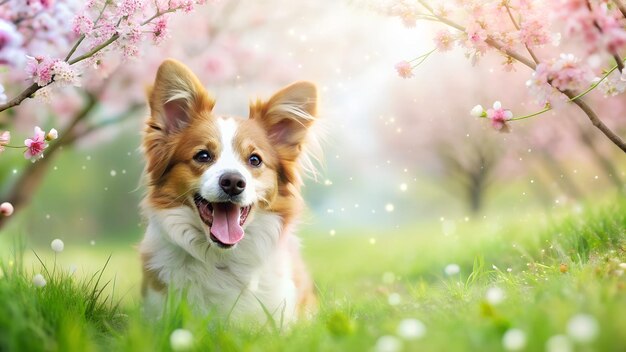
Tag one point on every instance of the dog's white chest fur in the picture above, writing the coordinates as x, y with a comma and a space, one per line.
246, 282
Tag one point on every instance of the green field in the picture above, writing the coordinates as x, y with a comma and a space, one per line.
543, 276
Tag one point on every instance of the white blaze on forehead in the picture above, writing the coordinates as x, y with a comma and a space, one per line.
227, 160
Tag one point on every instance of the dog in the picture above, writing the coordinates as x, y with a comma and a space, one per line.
223, 198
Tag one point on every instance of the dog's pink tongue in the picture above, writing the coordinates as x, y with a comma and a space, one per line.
226, 226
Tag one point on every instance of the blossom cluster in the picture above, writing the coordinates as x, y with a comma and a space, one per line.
34, 146
515, 29
53, 43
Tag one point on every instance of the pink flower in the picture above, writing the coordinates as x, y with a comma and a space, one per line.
567, 73
36, 145
404, 69
82, 24
160, 30
6, 209
39, 69
129, 7
5, 138
444, 40
499, 117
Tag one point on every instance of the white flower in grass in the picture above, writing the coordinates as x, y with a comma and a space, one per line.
181, 340
514, 340
452, 269
394, 299
559, 343
583, 328
388, 343
39, 281
57, 245
494, 295
411, 329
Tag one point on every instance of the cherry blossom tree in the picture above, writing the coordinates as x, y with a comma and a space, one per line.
65, 51
532, 33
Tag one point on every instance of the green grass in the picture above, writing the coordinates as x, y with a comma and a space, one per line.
549, 269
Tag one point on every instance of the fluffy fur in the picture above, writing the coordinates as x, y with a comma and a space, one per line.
262, 272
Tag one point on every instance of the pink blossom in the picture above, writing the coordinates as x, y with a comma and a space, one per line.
82, 24
444, 40
160, 30
534, 32
5, 138
185, 5
39, 69
35, 145
127, 8
476, 37
499, 117
566, 73
404, 69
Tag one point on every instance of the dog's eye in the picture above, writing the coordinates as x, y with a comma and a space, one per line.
255, 160
202, 156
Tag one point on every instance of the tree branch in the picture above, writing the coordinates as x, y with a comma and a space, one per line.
579, 101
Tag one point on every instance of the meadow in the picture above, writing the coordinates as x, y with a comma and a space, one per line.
528, 282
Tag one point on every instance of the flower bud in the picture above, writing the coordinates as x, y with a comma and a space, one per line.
6, 209
52, 135
477, 111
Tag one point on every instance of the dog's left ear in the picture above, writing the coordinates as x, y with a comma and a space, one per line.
287, 117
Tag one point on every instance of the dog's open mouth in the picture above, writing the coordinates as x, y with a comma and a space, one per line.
224, 220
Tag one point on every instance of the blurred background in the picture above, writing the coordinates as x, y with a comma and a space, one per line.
399, 153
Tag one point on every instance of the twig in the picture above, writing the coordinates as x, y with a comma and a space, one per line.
620, 6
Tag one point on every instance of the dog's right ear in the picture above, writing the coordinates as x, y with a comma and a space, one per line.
176, 97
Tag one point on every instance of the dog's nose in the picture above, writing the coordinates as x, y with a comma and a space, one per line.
232, 183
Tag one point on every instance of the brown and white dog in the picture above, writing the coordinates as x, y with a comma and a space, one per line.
223, 196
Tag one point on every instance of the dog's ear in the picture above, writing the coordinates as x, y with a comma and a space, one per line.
176, 97
287, 117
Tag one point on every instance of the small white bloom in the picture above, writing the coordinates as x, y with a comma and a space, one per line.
72, 269
394, 299
39, 281
52, 135
559, 343
6, 209
411, 329
514, 340
181, 340
477, 111
3, 96
497, 105
389, 278
388, 343
57, 245
583, 328
495, 295
452, 269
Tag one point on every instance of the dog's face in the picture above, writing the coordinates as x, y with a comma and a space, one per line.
224, 168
